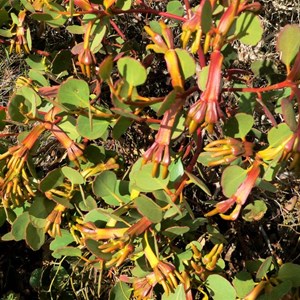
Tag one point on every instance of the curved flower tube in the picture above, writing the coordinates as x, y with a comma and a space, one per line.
240, 196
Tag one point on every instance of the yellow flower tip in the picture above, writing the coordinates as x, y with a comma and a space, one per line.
154, 169
211, 213
193, 126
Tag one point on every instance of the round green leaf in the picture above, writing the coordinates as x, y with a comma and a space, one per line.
148, 208
232, 178
248, 29
35, 237
141, 178
243, 283
52, 180
187, 63
239, 125
121, 291
220, 288
74, 176
264, 268
106, 67
91, 129
74, 94
66, 251
132, 70
278, 135
19, 226
104, 186
175, 7
288, 43
254, 211
65, 239
290, 271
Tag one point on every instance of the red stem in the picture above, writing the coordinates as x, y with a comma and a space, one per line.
117, 11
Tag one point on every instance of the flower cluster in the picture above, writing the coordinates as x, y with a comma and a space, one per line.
206, 110
228, 150
15, 185
19, 42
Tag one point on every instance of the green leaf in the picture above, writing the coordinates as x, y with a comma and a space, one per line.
254, 211
36, 62
220, 288
248, 29
278, 135
56, 19
187, 62
104, 186
289, 113
175, 7
35, 279
74, 94
264, 268
35, 237
18, 107
62, 61
124, 4
175, 231
288, 43
168, 101
106, 67
39, 211
74, 176
232, 178
206, 17
66, 251
148, 208
290, 271
38, 77
132, 70
99, 33
19, 226
52, 180
121, 291
179, 294
142, 180
239, 125
75, 29
243, 283
198, 182
202, 78
65, 239
94, 129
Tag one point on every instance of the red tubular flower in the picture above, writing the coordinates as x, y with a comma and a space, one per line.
207, 109
240, 196
159, 152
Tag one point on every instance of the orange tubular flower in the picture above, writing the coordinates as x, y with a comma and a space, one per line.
15, 187
20, 42
159, 152
193, 25
240, 196
143, 287
207, 109
228, 150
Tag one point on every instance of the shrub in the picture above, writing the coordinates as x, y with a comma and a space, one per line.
119, 216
